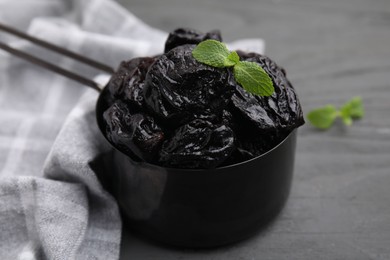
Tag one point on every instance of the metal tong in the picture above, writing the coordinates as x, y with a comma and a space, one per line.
50, 66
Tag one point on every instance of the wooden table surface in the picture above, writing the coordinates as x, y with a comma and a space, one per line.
339, 206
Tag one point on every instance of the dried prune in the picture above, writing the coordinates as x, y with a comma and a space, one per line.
252, 110
174, 111
128, 81
135, 134
183, 36
253, 145
198, 144
178, 88
280, 111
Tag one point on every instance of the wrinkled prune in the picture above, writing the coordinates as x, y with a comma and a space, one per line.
198, 144
135, 134
251, 110
173, 111
128, 82
253, 145
280, 111
178, 88
183, 36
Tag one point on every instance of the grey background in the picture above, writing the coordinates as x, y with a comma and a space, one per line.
339, 207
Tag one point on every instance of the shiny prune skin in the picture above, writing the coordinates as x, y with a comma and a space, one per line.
248, 140
179, 89
135, 134
173, 111
247, 107
281, 111
253, 145
184, 36
128, 82
260, 123
199, 145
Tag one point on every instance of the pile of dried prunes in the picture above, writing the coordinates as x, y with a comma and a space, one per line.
171, 110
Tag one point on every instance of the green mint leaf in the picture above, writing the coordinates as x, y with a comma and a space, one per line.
347, 120
212, 52
232, 59
252, 77
353, 108
323, 117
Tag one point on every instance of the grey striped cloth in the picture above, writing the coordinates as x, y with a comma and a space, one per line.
52, 205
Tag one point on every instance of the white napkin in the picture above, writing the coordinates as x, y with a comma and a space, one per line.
52, 205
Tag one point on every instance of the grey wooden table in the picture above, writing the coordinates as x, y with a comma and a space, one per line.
339, 207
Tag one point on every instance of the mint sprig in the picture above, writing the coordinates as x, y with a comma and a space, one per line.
213, 53
353, 109
250, 75
324, 117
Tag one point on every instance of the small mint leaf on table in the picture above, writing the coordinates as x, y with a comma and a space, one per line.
353, 108
323, 117
347, 119
252, 77
212, 53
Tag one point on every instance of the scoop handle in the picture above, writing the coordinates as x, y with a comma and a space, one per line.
51, 67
